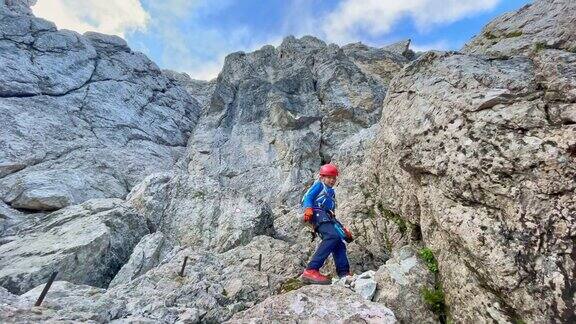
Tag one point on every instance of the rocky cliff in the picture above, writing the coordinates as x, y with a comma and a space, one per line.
458, 177
83, 115
477, 150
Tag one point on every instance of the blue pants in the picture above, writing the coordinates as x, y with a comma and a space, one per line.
331, 244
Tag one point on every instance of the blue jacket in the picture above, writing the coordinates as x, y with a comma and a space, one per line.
320, 196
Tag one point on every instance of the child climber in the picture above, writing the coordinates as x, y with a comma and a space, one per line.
319, 204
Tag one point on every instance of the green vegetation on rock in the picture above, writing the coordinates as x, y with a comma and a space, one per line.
290, 284
489, 35
434, 298
395, 218
513, 34
518, 321
540, 46
428, 257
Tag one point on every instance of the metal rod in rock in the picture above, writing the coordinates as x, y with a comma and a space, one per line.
260, 262
181, 274
46, 288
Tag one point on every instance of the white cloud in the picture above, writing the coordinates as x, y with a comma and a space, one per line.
182, 55
206, 71
110, 17
375, 17
182, 42
196, 47
181, 37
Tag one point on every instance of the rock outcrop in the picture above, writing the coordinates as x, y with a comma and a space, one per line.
83, 115
271, 110
86, 244
213, 288
66, 302
401, 283
542, 24
316, 304
479, 153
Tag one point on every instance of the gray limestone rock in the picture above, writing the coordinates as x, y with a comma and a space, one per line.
270, 110
151, 197
541, 24
147, 254
401, 282
201, 90
469, 152
213, 288
316, 304
65, 302
402, 47
365, 285
16, 7
380, 63
376, 230
83, 115
87, 243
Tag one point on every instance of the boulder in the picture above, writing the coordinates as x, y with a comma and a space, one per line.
316, 304
147, 254
86, 244
401, 283
365, 285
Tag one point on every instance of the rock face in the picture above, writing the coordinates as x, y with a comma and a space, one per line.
470, 153
214, 287
83, 116
401, 282
271, 110
316, 304
377, 230
480, 154
63, 303
542, 24
87, 244
147, 254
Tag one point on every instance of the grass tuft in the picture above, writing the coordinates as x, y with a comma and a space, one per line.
428, 256
434, 298
513, 34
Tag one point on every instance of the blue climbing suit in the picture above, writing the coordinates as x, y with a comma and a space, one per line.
322, 199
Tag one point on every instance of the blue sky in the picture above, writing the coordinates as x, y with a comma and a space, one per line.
194, 36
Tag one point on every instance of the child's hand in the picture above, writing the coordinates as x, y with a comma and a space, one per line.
349, 238
308, 214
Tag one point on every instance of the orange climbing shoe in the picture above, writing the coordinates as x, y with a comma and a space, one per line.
313, 276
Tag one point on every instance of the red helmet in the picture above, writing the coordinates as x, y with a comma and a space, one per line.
329, 170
